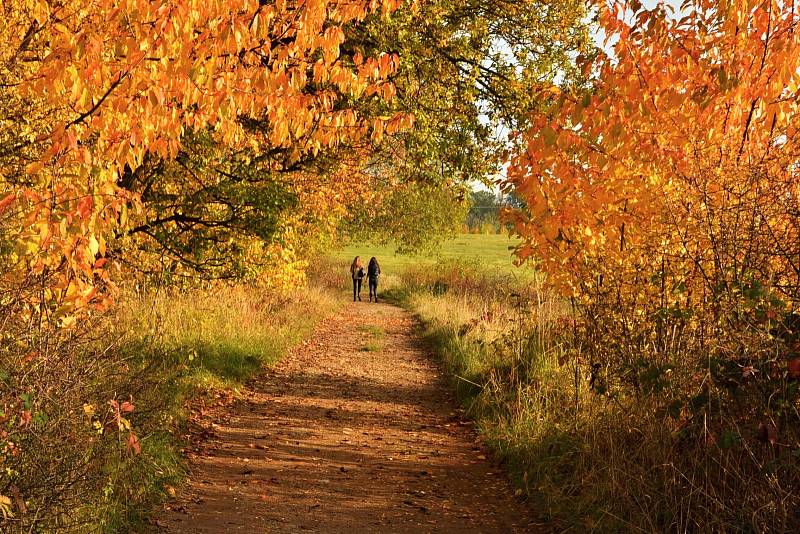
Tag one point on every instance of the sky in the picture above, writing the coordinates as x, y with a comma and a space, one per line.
598, 37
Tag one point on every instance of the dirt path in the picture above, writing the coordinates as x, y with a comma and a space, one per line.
355, 431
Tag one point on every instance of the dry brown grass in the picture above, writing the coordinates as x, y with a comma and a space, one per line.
159, 350
600, 452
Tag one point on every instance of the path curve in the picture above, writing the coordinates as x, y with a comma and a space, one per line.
354, 431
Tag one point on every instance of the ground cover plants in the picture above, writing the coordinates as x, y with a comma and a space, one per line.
600, 452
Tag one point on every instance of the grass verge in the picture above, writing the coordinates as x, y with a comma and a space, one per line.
591, 458
188, 348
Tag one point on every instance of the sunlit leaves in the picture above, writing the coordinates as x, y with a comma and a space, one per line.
688, 125
90, 89
663, 199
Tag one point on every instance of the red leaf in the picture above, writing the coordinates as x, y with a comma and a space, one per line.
794, 368
85, 207
7, 201
133, 443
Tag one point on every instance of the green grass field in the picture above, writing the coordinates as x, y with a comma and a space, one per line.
488, 250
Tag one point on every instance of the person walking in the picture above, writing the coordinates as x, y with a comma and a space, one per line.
357, 272
373, 272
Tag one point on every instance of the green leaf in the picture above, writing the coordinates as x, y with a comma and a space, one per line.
729, 439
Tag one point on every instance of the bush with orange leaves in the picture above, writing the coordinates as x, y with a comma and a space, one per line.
663, 199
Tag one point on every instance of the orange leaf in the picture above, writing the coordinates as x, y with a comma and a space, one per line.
7, 201
133, 444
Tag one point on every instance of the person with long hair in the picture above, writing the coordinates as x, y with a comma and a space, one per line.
357, 272
373, 272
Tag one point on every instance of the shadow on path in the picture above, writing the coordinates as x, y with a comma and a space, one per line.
338, 439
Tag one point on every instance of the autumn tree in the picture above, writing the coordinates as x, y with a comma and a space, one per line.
467, 73
127, 119
662, 197
413, 216
484, 209
115, 85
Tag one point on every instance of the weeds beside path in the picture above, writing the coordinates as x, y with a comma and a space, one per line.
354, 431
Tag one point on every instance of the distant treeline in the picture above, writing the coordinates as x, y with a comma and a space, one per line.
484, 212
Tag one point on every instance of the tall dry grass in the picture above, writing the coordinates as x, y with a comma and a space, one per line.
70, 469
222, 333
602, 452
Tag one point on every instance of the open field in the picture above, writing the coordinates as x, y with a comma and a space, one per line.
491, 251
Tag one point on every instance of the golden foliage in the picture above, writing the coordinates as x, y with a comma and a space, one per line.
679, 158
90, 88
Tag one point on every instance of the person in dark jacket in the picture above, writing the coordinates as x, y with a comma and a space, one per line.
373, 272
357, 272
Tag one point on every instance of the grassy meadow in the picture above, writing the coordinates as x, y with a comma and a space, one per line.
491, 251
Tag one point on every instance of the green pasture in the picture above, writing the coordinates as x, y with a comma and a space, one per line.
488, 250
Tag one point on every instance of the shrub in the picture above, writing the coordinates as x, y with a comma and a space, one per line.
602, 430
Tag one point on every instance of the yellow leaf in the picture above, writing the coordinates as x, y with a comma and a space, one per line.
94, 246
5, 507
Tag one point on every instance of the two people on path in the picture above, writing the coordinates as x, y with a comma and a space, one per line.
372, 272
